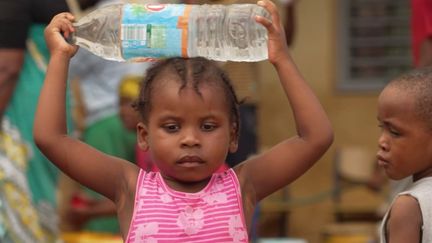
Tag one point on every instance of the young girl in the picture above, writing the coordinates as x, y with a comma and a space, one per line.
189, 123
405, 150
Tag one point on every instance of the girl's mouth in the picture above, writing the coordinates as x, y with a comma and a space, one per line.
190, 161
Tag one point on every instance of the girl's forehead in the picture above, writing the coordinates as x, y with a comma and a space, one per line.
188, 103
170, 87
173, 82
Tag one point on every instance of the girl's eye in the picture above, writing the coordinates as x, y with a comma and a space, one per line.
208, 127
171, 128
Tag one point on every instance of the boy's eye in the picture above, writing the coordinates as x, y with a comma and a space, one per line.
394, 132
208, 127
389, 129
171, 128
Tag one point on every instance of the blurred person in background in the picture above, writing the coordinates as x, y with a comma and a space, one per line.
421, 32
28, 182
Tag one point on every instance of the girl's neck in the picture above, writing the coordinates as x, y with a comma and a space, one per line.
183, 186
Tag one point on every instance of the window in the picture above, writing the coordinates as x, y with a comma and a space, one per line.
375, 43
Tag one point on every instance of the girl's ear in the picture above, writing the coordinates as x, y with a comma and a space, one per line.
233, 146
142, 136
234, 138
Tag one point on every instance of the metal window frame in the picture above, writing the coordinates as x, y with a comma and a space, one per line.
345, 79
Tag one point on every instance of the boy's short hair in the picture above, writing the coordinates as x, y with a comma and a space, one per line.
129, 87
418, 83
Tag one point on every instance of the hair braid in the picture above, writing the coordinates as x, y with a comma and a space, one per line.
180, 66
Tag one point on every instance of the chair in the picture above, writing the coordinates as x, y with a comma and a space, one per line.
355, 206
353, 200
350, 233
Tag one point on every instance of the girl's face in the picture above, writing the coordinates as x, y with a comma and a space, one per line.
405, 143
188, 135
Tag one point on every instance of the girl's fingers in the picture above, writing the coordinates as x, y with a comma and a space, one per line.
66, 20
71, 19
265, 22
65, 15
63, 22
70, 16
272, 9
63, 27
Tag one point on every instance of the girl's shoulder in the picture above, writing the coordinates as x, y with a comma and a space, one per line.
131, 174
126, 185
246, 187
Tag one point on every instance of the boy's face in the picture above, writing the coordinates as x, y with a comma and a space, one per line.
188, 135
405, 143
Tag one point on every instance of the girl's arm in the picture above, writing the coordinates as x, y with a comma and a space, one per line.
291, 158
76, 159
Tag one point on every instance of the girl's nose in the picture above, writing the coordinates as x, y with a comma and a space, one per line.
190, 138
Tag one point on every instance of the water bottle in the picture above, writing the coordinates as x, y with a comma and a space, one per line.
142, 32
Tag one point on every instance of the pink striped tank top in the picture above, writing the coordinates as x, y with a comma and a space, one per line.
215, 214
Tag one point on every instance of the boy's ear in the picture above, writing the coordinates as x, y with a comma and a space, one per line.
234, 138
142, 136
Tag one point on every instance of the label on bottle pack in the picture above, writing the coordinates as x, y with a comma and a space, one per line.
152, 31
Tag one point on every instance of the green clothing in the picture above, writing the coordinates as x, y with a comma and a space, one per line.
109, 136
42, 175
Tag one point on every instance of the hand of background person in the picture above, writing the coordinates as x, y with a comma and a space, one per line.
83, 208
425, 59
377, 180
11, 61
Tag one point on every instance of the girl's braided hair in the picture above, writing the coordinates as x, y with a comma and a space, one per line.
194, 71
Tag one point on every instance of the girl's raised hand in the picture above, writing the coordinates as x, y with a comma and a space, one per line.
55, 33
277, 45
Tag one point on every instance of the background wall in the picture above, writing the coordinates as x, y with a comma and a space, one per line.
353, 115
